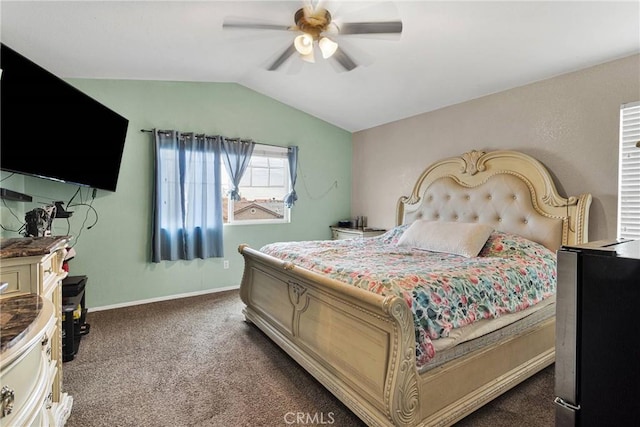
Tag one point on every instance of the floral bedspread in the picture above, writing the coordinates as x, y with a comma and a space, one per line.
444, 291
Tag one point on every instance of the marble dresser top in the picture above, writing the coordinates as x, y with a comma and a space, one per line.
16, 316
30, 246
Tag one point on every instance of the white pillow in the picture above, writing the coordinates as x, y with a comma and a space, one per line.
460, 238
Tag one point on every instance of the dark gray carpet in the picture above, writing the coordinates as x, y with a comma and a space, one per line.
195, 362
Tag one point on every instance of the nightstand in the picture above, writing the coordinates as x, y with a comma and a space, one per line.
338, 233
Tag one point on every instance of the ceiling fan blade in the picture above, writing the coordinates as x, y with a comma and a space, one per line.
254, 26
388, 27
283, 57
345, 60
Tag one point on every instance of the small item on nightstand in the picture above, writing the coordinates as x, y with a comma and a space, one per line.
360, 222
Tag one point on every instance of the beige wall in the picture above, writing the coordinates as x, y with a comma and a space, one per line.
569, 123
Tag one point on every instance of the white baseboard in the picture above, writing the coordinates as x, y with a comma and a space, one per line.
165, 298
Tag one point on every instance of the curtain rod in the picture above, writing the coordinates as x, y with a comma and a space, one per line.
260, 143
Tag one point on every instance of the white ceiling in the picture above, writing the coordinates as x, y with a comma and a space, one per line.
449, 51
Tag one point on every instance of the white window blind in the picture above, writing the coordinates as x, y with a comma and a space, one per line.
629, 172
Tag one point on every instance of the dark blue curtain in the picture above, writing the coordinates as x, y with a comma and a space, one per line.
292, 156
236, 155
187, 217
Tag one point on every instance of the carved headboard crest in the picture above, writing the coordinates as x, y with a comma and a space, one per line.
471, 162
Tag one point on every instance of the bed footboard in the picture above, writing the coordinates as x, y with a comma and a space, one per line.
359, 345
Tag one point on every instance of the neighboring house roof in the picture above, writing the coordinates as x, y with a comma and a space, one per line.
258, 206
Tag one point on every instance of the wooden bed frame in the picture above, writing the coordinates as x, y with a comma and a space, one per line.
361, 346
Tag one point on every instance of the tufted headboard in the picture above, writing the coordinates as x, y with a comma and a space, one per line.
509, 190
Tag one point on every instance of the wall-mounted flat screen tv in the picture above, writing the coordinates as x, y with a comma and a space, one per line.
52, 130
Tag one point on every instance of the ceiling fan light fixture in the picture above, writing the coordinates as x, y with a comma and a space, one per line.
310, 57
314, 24
304, 44
328, 47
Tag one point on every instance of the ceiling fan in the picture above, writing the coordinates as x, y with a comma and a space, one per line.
315, 27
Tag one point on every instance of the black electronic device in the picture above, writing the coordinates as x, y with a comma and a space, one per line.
52, 130
7, 194
597, 378
74, 314
38, 221
61, 212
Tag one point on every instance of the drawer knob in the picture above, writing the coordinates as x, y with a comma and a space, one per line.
7, 396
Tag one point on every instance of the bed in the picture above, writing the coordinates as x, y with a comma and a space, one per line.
363, 344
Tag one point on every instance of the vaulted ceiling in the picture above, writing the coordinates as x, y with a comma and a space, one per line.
448, 52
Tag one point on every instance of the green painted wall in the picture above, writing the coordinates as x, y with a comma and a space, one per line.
115, 253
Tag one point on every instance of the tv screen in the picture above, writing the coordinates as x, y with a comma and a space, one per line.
52, 130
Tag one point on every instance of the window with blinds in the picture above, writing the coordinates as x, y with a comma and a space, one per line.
629, 172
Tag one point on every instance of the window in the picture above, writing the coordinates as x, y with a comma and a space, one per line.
187, 204
172, 212
263, 187
629, 172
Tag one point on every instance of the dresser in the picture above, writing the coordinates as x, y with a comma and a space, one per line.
33, 266
27, 371
338, 233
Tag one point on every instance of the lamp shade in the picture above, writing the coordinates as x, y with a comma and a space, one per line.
304, 44
310, 57
328, 47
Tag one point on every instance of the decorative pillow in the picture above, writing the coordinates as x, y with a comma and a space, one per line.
460, 238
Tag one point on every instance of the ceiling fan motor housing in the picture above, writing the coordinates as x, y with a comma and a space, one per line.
312, 23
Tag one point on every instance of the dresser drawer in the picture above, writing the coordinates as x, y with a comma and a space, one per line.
338, 233
41, 419
342, 234
27, 380
47, 341
33, 275
20, 279
46, 414
50, 270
